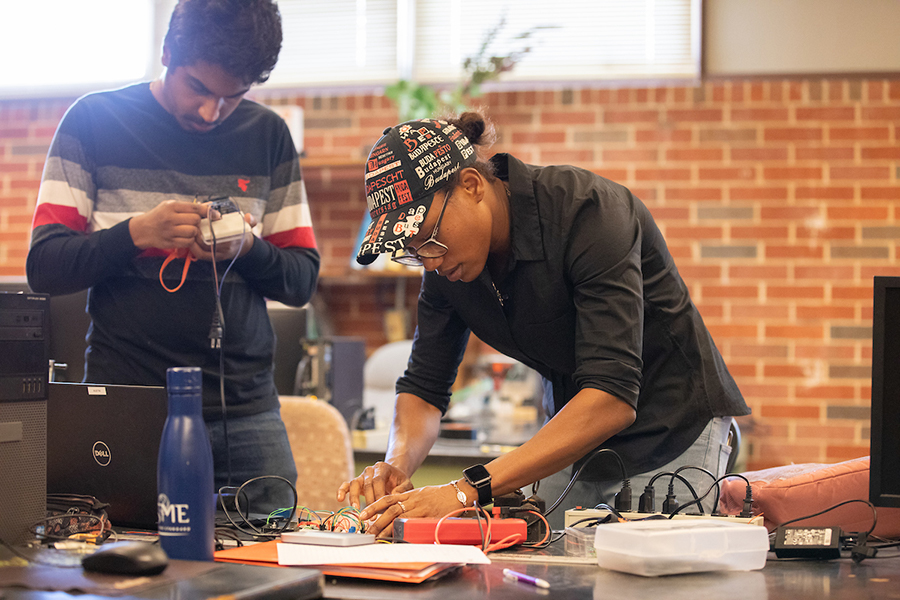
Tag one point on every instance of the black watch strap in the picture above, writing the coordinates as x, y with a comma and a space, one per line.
478, 477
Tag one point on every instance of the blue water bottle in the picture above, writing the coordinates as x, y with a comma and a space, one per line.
185, 501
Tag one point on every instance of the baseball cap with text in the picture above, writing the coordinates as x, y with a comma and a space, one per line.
405, 168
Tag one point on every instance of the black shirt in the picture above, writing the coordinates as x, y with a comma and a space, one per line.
591, 299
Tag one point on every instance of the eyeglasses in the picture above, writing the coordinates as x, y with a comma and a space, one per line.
430, 248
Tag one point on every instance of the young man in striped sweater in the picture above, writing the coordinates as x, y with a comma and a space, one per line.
125, 186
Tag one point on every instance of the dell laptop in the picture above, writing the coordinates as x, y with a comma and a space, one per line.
103, 441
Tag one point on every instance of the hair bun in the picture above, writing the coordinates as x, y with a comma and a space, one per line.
476, 128
473, 125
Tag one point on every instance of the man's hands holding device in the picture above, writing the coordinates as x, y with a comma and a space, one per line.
229, 228
176, 224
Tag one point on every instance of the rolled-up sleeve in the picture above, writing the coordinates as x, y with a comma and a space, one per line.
604, 264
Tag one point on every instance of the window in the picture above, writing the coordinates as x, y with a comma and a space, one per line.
380, 41
88, 44
337, 42
62, 43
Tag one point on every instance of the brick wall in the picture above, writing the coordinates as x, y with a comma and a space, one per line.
779, 200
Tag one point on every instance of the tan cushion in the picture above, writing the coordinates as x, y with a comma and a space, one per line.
788, 492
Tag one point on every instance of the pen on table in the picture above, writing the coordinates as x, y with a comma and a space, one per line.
541, 583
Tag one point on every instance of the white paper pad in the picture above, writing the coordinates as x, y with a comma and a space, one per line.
300, 554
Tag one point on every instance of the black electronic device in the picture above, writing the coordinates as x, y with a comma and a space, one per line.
24, 371
25, 336
290, 325
69, 322
884, 484
345, 377
127, 558
97, 446
515, 505
332, 370
822, 543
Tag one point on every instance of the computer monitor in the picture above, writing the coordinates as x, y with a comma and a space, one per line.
884, 475
289, 325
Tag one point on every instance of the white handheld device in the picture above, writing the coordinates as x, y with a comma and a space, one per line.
229, 225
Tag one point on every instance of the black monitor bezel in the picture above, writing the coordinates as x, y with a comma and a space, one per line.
885, 351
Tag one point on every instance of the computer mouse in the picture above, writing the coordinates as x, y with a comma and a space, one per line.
127, 558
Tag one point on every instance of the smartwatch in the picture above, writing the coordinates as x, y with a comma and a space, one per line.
478, 477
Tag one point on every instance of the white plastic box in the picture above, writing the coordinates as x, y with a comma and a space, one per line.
666, 547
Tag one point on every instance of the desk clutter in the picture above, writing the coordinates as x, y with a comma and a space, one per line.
406, 563
181, 578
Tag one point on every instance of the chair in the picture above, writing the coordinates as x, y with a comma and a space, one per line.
320, 440
380, 375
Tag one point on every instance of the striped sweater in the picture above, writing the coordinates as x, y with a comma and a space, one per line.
117, 154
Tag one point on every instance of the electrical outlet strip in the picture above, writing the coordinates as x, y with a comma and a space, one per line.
230, 226
576, 514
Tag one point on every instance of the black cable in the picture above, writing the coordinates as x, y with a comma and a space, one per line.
699, 505
595, 520
478, 515
613, 511
838, 505
594, 453
65, 564
550, 540
675, 475
256, 532
222, 532
706, 493
217, 333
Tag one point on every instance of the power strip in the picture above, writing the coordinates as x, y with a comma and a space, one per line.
577, 514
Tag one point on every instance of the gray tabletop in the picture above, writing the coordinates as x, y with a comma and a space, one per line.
778, 580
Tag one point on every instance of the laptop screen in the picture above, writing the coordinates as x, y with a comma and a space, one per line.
103, 441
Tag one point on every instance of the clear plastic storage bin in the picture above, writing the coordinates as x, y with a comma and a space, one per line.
667, 547
580, 542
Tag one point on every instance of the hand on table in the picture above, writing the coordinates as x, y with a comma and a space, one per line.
433, 501
374, 482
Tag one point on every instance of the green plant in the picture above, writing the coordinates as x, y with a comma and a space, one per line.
418, 101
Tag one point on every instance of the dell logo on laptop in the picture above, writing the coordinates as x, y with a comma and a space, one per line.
101, 454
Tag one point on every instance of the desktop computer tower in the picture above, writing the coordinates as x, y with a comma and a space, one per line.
332, 370
24, 373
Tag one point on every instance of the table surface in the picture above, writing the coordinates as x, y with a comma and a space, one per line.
841, 579
778, 580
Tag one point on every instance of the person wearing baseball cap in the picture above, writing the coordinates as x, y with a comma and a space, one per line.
404, 170
564, 271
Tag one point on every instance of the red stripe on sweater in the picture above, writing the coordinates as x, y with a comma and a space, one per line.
299, 236
51, 214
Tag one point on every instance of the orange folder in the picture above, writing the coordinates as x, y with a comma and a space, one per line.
266, 553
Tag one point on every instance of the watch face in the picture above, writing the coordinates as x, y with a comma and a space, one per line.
479, 478
476, 475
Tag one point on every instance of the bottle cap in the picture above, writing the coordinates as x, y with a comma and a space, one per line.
184, 380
